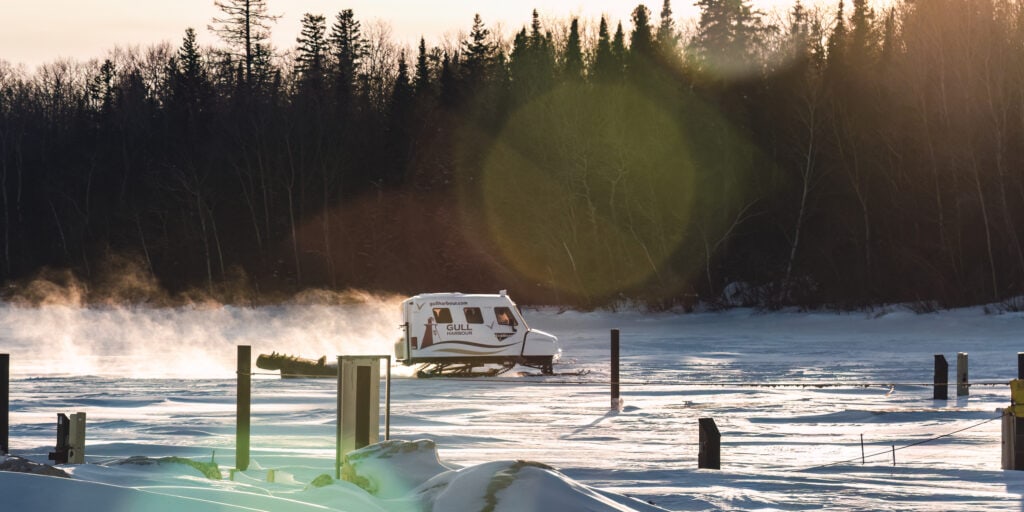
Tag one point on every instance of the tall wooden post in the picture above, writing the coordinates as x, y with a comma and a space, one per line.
941, 389
963, 387
359, 405
1013, 428
1020, 365
338, 428
387, 401
709, 456
243, 407
616, 400
5, 403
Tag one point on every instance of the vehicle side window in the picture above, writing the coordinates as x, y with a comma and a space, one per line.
442, 315
504, 316
473, 315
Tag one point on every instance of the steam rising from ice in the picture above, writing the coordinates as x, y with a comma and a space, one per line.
195, 341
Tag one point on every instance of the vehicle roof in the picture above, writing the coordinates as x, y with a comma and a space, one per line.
479, 297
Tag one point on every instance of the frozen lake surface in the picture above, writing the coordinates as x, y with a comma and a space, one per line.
792, 393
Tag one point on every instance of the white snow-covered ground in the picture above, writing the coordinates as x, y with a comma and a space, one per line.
158, 383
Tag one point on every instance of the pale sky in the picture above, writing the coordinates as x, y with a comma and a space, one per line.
34, 32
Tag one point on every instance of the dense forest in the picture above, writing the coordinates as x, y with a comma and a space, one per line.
832, 156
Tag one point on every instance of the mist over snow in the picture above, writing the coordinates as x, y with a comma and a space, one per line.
196, 341
792, 393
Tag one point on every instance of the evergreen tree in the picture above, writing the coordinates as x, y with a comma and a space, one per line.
667, 37
421, 82
532, 65
450, 94
641, 55
311, 61
245, 26
603, 68
403, 91
572, 67
189, 86
400, 120
101, 89
837, 43
729, 36
618, 52
478, 54
348, 48
862, 47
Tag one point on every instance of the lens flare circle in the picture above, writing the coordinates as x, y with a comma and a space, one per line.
588, 189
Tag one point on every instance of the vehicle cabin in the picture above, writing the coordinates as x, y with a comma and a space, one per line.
446, 328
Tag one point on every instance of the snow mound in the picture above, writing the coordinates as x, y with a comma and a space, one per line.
411, 469
392, 469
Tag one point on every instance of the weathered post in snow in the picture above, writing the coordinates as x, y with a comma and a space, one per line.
5, 403
963, 387
1013, 428
941, 391
243, 407
70, 447
709, 455
76, 438
616, 400
359, 405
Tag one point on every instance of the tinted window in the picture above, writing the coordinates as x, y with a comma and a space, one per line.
474, 316
504, 316
442, 316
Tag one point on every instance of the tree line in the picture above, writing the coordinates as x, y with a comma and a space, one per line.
835, 155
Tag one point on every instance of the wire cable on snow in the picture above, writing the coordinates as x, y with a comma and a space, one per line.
891, 450
544, 380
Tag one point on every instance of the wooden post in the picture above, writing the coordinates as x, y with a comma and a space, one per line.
616, 400
1013, 428
1020, 365
387, 402
709, 455
5, 403
243, 407
337, 432
963, 387
941, 391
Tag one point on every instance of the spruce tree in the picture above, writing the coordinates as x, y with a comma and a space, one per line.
572, 68
618, 52
667, 37
603, 67
311, 61
641, 56
478, 53
729, 36
246, 27
347, 49
421, 81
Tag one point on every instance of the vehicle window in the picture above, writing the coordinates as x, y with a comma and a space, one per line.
474, 316
504, 316
442, 315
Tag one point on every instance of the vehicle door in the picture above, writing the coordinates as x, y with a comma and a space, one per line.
505, 325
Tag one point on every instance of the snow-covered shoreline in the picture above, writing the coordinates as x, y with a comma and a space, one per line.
675, 369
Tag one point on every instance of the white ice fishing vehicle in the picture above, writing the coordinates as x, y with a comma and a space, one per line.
457, 334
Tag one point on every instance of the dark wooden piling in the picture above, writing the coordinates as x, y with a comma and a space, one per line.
243, 407
1020, 365
941, 389
338, 428
5, 403
616, 400
387, 402
709, 455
